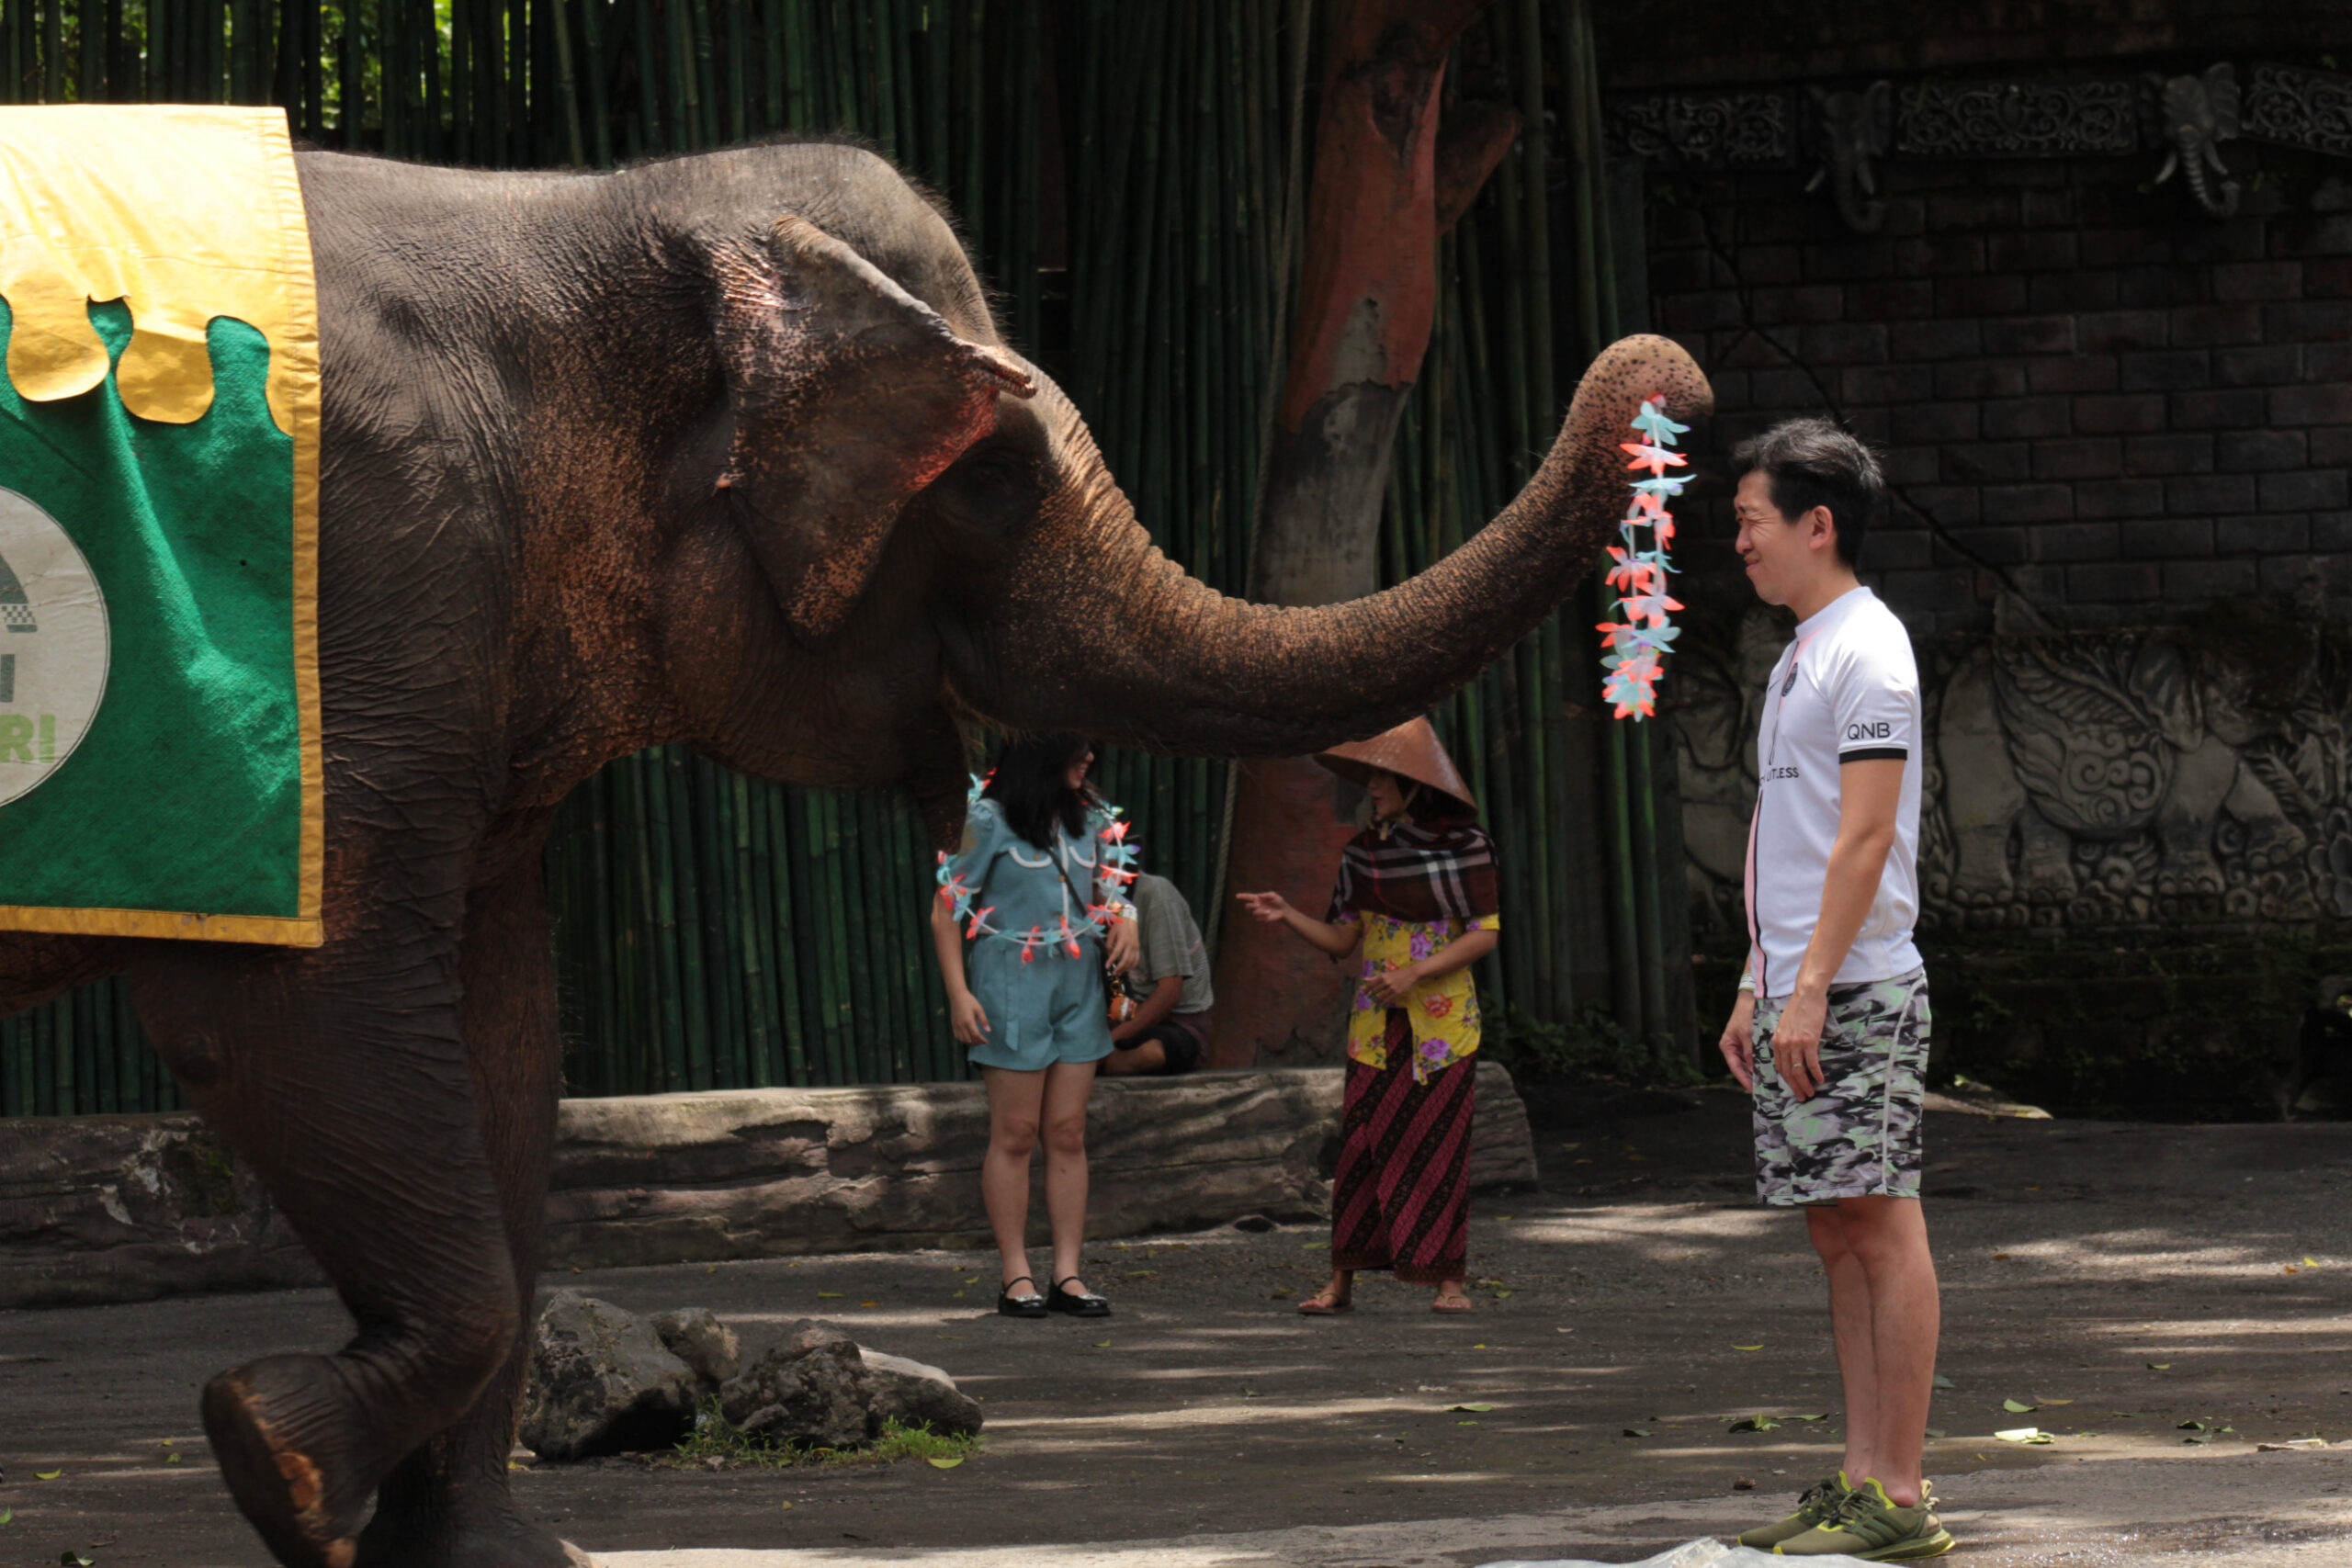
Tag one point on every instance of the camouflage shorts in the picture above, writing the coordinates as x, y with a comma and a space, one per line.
1859, 1136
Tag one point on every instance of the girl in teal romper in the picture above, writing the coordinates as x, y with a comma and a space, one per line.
1030, 912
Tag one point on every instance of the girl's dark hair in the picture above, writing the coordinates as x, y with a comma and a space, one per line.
1028, 785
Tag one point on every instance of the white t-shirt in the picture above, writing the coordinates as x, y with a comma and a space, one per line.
1846, 690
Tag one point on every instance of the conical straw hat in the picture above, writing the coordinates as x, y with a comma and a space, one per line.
1411, 751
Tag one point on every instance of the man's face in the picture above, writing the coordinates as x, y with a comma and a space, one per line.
1781, 554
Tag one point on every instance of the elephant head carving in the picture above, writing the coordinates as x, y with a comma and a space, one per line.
1853, 131
2195, 114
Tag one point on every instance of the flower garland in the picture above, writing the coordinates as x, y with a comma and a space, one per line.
1638, 643
1114, 859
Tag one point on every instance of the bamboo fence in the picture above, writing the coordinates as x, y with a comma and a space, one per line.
1123, 169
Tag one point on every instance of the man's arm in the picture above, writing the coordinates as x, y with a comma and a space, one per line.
1152, 1008
1869, 795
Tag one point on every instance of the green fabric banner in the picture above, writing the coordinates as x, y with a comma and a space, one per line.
151, 745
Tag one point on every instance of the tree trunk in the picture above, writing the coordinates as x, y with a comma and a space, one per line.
1388, 181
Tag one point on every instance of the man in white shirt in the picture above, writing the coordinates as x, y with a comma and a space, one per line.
1831, 1033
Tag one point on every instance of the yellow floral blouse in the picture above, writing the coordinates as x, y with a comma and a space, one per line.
1443, 1011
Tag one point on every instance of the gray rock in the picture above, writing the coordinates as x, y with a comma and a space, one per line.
602, 1383
695, 1336
803, 1335
822, 1396
1255, 1224
910, 1392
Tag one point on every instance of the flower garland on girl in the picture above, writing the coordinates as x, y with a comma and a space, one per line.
1113, 855
1638, 644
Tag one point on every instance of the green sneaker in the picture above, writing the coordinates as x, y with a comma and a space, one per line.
1815, 1506
1865, 1524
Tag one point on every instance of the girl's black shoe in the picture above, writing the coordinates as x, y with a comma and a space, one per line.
1031, 1306
1078, 1304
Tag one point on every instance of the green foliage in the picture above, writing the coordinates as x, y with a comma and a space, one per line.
716, 1438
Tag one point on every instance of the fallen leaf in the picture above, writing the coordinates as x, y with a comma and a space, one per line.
47, 1474
1506, 1219
828, 1295
1747, 1347
1311, 1245
1754, 1423
2017, 1407
947, 1463
1637, 1432
2000, 1258
2047, 1400
1823, 1416
1478, 1347
2308, 1263
787, 1505
1935, 1431
6, 1513
1742, 1484
171, 1458
1474, 1409
2160, 1366
1470, 1423
2190, 1427
1101, 1344
72, 1559
869, 1303
2023, 1435
1943, 1382
1504, 1295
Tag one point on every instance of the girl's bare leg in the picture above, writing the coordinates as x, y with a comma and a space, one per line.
1066, 1086
1016, 1107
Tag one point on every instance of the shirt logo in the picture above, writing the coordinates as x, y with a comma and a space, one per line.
1779, 772
1878, 731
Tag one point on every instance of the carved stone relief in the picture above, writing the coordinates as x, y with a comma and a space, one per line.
2311, 109
1712, 130
2079, 781
2019, 120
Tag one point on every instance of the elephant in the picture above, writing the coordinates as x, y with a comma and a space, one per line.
724, 449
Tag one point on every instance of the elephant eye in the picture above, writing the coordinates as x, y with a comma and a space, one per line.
989, 486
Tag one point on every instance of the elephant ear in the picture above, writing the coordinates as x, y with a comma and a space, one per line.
849, 395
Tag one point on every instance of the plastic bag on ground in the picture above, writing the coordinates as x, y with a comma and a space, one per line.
1690, 1554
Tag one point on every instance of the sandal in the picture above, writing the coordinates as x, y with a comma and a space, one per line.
1031, 1306
1327, 1303
1456, 1302
1078, 1304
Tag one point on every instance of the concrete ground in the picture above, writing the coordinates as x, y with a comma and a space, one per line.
2123, 1278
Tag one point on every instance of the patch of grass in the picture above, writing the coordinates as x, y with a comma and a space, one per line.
717, 1443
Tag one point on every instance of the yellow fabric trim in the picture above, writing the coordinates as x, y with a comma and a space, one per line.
96, 203
163, 923
185, 212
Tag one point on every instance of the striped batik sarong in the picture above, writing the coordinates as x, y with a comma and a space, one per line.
1401, 1200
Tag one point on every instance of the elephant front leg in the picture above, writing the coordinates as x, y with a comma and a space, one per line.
450, 1504
339, 1077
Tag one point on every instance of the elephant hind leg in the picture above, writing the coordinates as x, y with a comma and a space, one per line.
339, 1077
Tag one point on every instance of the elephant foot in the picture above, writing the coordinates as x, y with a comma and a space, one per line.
282, 1432
490, 1535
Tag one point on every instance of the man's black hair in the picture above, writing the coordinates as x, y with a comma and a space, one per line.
1029, 785
1812, 463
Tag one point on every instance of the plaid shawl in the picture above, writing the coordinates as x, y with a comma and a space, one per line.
1443, 871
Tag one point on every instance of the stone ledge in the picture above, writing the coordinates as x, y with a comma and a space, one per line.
127, 1208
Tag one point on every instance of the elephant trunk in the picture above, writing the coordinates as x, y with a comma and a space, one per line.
1099, 633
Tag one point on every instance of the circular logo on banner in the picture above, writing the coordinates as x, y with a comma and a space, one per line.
53, 646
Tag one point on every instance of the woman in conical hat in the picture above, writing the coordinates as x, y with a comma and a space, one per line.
1415, 905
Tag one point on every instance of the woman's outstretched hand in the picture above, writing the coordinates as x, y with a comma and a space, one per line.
1268, 906
968, 1018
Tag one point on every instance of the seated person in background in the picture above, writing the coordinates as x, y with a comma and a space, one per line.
1169, 1028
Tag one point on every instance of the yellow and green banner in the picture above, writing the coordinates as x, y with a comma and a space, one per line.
159, 456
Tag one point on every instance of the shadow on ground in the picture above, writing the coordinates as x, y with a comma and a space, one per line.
2123, 1278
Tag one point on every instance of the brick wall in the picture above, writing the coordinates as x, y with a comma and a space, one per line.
2087, 392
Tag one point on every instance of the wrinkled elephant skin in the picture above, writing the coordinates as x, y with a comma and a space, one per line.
724, 450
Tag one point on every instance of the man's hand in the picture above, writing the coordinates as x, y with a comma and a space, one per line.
1120, 948
968, 1018
1389, 986
1796, 1041
1738, 1044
